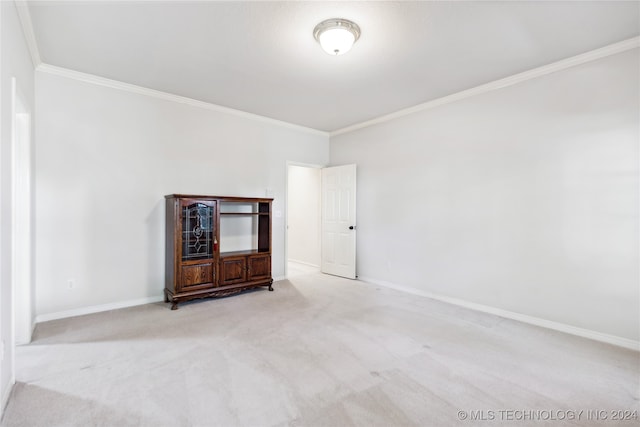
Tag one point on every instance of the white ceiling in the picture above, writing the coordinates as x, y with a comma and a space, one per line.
261, 57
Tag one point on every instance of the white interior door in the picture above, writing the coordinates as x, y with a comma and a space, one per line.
339, 221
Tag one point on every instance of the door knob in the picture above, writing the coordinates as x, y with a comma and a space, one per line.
351, 227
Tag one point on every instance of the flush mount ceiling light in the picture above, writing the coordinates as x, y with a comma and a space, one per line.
336, 35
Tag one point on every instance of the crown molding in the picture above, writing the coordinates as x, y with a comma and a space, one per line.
27, 29
573, 61
115, 84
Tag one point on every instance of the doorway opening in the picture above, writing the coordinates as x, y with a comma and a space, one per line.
303, 228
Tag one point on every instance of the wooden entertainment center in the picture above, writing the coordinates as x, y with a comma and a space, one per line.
216, 246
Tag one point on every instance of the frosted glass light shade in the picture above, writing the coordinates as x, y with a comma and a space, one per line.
336, 41
336, 36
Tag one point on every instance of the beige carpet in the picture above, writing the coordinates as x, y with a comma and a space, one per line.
319, 351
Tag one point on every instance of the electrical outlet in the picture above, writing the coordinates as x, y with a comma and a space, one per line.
71, 284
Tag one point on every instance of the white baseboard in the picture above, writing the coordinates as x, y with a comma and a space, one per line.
573, 330
27, 340
106, 307
97, 308
304, 263
6, 393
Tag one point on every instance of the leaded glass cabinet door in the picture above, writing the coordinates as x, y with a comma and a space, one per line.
197, 244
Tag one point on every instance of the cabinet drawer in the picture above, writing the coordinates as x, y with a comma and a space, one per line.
259, 267
196, 276
233, 270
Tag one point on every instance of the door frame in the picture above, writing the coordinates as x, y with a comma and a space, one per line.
286, 213
21, 217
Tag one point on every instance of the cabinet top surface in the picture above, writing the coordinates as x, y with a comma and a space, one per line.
220, 198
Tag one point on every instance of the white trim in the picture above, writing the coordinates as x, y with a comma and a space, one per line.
305, 165
21, 214
27, 29
97, 308
549, 324
114, 84
593, 55
279, 278
6, 393
304, 263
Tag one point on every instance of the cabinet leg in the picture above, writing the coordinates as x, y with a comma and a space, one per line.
271, 287
174, 305
166, 297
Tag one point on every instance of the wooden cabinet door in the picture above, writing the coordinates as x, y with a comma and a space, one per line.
233, 270
195, 233
259, 267
196, 276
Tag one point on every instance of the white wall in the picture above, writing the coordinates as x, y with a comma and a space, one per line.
524, 198
304, 215
15, 61
105, 158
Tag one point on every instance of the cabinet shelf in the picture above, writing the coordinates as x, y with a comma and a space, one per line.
244, 213
243, 253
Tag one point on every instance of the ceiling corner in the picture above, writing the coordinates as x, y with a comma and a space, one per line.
24, 15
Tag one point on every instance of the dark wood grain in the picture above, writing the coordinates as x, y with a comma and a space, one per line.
233, 270
259, 267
